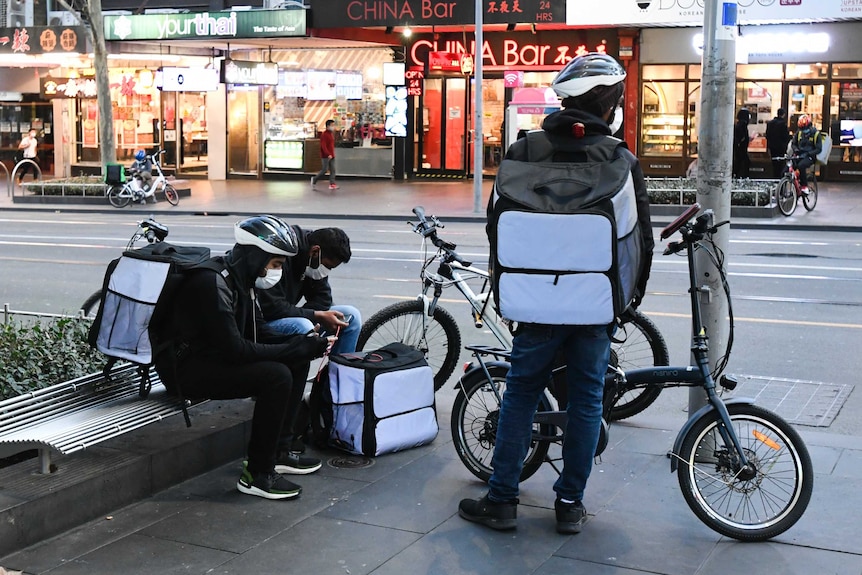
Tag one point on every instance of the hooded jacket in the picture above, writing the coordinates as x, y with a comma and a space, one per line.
561, 125
214, 315
281, 300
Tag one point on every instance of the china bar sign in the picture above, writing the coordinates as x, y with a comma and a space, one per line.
203, 25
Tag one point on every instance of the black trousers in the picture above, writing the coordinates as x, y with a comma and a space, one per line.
803, 165
277, 388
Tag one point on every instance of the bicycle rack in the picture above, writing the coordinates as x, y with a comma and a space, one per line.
8, 180
12, 178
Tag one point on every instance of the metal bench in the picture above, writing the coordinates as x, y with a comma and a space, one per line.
73, 415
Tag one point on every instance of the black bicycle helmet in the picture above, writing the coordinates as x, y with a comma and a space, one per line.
268, 233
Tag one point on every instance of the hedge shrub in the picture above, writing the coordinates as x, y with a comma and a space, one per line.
40, 353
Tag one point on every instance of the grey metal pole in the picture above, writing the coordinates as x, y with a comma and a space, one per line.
714, 161
479, 134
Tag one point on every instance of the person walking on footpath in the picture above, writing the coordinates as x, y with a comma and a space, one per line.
327, 155
29, 144
777, 138
591, 87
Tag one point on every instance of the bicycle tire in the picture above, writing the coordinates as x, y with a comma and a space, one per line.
810, 200
171, 195
118, 198
723, 498
90, 307
786, 197
638, 343
474, 419
440, 341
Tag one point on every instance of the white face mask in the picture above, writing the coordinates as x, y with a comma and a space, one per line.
319, 272
271, 278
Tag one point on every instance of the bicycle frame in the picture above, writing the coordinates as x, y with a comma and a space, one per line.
452, 272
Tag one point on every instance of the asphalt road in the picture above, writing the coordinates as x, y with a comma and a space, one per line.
797, 299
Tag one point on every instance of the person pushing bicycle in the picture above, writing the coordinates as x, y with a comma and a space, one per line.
806, 144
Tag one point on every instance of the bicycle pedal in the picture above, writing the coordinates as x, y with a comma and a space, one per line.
728, 382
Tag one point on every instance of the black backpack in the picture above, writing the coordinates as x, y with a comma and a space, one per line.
567, 247
133, 321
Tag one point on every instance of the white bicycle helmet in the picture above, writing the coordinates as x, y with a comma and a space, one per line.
268, 233
584, 73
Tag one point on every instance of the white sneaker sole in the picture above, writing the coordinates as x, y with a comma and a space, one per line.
288, 470
252, 490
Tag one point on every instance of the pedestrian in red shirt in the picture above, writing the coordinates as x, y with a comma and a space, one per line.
327, 154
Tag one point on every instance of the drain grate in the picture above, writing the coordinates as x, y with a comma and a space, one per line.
350, 462
801, 402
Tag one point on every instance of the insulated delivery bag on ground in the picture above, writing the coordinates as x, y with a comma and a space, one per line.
135, 302
568, 244
382, 401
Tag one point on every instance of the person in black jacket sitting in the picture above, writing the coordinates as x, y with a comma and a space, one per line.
224, 351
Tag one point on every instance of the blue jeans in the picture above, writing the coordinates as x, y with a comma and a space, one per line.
347, 338
587, 351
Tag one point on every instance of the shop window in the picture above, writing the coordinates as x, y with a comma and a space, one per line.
693, 117
663, 120
807, 71
848, 125
762, 100
694, 72
663, 72
760, 71
846, 71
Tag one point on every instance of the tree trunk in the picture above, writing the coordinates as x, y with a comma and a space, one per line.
107, 143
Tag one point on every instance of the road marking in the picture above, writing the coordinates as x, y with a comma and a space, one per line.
761, 320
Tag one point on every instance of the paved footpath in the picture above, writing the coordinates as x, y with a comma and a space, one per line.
398, 515
839, 206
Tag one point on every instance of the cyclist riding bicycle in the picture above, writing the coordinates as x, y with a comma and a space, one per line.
142, 168
806, 145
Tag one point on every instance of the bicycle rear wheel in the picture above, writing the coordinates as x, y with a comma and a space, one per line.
786, 197
171, 195
475, 413
637, 343
438, 337
748, 506
118, 197
809, 200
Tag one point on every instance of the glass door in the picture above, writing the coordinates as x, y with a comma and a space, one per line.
457, 116
192, 109
807, 98
243, 125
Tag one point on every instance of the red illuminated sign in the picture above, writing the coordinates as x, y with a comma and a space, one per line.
414, 77
444, 62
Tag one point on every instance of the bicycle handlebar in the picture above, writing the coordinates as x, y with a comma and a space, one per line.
428, 229
683, 219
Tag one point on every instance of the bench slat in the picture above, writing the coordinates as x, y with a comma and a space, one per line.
77, 414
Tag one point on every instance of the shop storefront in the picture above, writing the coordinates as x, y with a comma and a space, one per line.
812, 69
340, 84
518, 68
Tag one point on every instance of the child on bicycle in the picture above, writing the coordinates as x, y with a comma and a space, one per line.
806, 145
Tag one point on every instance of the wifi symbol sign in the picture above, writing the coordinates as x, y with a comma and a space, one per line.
513, 78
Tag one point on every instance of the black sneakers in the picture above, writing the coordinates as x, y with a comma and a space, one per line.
267, 485
570, 516
500, 516
295, 464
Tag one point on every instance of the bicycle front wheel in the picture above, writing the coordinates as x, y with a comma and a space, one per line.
475, 414
809, 200
118, 197
746, 505
171, 195
637, 343
438, 337
786, 197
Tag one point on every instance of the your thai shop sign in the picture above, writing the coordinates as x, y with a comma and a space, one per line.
204, 25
